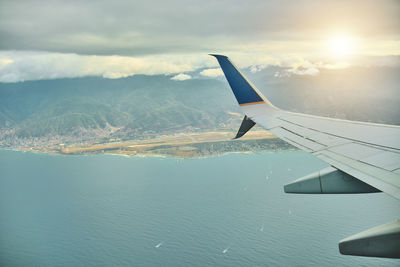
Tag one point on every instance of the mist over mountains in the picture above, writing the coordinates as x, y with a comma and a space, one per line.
369, 94
93, 108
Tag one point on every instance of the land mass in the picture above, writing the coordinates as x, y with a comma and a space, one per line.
155, 115
188, 145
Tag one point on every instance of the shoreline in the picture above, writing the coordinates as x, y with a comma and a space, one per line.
152, 155
191, 145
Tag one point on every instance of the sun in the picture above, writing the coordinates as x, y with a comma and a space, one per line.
341, 46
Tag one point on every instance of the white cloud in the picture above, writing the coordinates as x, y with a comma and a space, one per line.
181, 77
282, 74
212, 72
301, 66
334, 66
5, 61
17, 66
257, 68
305, 67
305, 71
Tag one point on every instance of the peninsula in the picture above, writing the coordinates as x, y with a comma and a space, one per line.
188, 145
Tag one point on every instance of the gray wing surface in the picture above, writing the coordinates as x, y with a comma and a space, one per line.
366, 151
364, 157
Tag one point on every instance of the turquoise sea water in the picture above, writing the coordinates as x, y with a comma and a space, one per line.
107, 210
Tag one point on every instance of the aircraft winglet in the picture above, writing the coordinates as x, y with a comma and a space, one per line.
244, 91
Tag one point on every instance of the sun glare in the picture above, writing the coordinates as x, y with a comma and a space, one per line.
341, 46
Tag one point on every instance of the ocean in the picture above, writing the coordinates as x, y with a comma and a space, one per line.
229, 210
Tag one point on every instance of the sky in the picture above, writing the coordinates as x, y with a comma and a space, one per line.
56, 39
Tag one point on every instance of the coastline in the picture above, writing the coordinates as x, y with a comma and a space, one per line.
190, 145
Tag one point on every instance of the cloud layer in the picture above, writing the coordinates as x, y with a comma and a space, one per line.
50, 39
18, 66
134, 28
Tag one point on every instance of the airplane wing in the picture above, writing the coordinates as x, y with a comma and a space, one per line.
363, 157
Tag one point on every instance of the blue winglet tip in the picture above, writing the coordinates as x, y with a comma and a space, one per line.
218, 56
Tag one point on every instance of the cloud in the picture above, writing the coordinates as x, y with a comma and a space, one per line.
282, 74
17, 66
257, 68
305, 67
335, 66
5, 61
386, 61
134, 28
181, 77
212, 72
305, 71
50, 39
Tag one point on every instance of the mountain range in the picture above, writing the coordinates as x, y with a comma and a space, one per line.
140, 106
